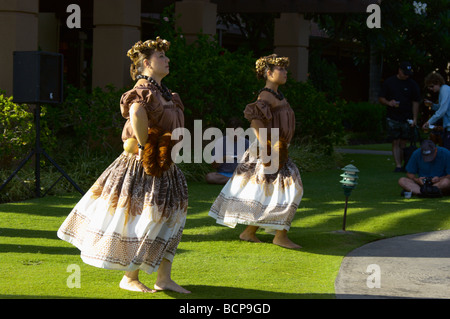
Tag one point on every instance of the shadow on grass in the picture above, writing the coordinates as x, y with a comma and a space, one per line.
32, 249
28, 233
38, 297
220, 292
45, 206
229, 294
391, 216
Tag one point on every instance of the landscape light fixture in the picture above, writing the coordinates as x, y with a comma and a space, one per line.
348, 184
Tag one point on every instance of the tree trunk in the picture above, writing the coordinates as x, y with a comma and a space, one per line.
375, 72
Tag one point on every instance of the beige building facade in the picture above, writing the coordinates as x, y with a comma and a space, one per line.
18, 32
117, 24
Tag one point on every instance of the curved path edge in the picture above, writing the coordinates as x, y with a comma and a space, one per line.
410, 266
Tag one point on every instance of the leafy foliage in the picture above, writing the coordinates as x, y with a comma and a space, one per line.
421, 37
318, 120
325, 76
256, 28
17, 131
88, 118
365, 121
213, 83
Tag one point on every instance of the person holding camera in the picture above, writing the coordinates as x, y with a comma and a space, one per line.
436, 84
401, 95
431, 164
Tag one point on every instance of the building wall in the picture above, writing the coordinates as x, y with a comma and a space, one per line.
18, 32
95, 55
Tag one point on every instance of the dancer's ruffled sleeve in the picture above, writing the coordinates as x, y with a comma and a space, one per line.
259, 110
176, 117
144, 97
177, 101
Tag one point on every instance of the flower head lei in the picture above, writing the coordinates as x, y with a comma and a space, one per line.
140, 47
271, 60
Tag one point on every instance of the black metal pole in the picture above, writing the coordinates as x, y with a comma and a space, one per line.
37, 151
345, 212
63, 173
37, 164
37, 115
24, 161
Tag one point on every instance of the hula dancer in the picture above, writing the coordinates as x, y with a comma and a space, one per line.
133, 217
252, 196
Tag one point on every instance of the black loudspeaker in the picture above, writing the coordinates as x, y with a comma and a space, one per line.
38, 77
38, 80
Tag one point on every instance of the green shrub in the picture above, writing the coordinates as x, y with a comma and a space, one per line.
89, 119
312, 157
365, 121
18, 132
325, 76
318, 121
214, 84
83, 166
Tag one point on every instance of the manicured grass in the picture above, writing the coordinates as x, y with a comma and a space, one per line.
211, 261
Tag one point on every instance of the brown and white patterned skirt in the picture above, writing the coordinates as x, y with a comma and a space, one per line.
252, 197
129, 220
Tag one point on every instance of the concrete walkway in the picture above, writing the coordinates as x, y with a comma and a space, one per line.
412, 266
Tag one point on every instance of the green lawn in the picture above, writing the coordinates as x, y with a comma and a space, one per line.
211, 261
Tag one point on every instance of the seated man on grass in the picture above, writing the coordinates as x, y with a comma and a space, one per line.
226, 154
427, 171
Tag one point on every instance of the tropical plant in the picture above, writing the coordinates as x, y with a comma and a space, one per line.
18, 131
410, 30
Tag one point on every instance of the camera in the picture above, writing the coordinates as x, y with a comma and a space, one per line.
428, 190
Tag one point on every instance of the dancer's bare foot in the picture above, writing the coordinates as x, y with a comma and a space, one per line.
281, 239
133, 284
287, 243
249, 237
249, 234
164, 280
170, 285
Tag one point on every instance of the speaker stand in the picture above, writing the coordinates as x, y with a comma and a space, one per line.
37, 151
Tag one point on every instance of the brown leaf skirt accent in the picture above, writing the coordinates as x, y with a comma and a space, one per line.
157, 152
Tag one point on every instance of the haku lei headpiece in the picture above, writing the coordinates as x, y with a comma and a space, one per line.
266, 61
158, 44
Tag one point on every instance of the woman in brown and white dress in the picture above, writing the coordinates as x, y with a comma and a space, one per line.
254, 196
133, 217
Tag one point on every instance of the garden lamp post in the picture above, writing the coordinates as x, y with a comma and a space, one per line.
348, 184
